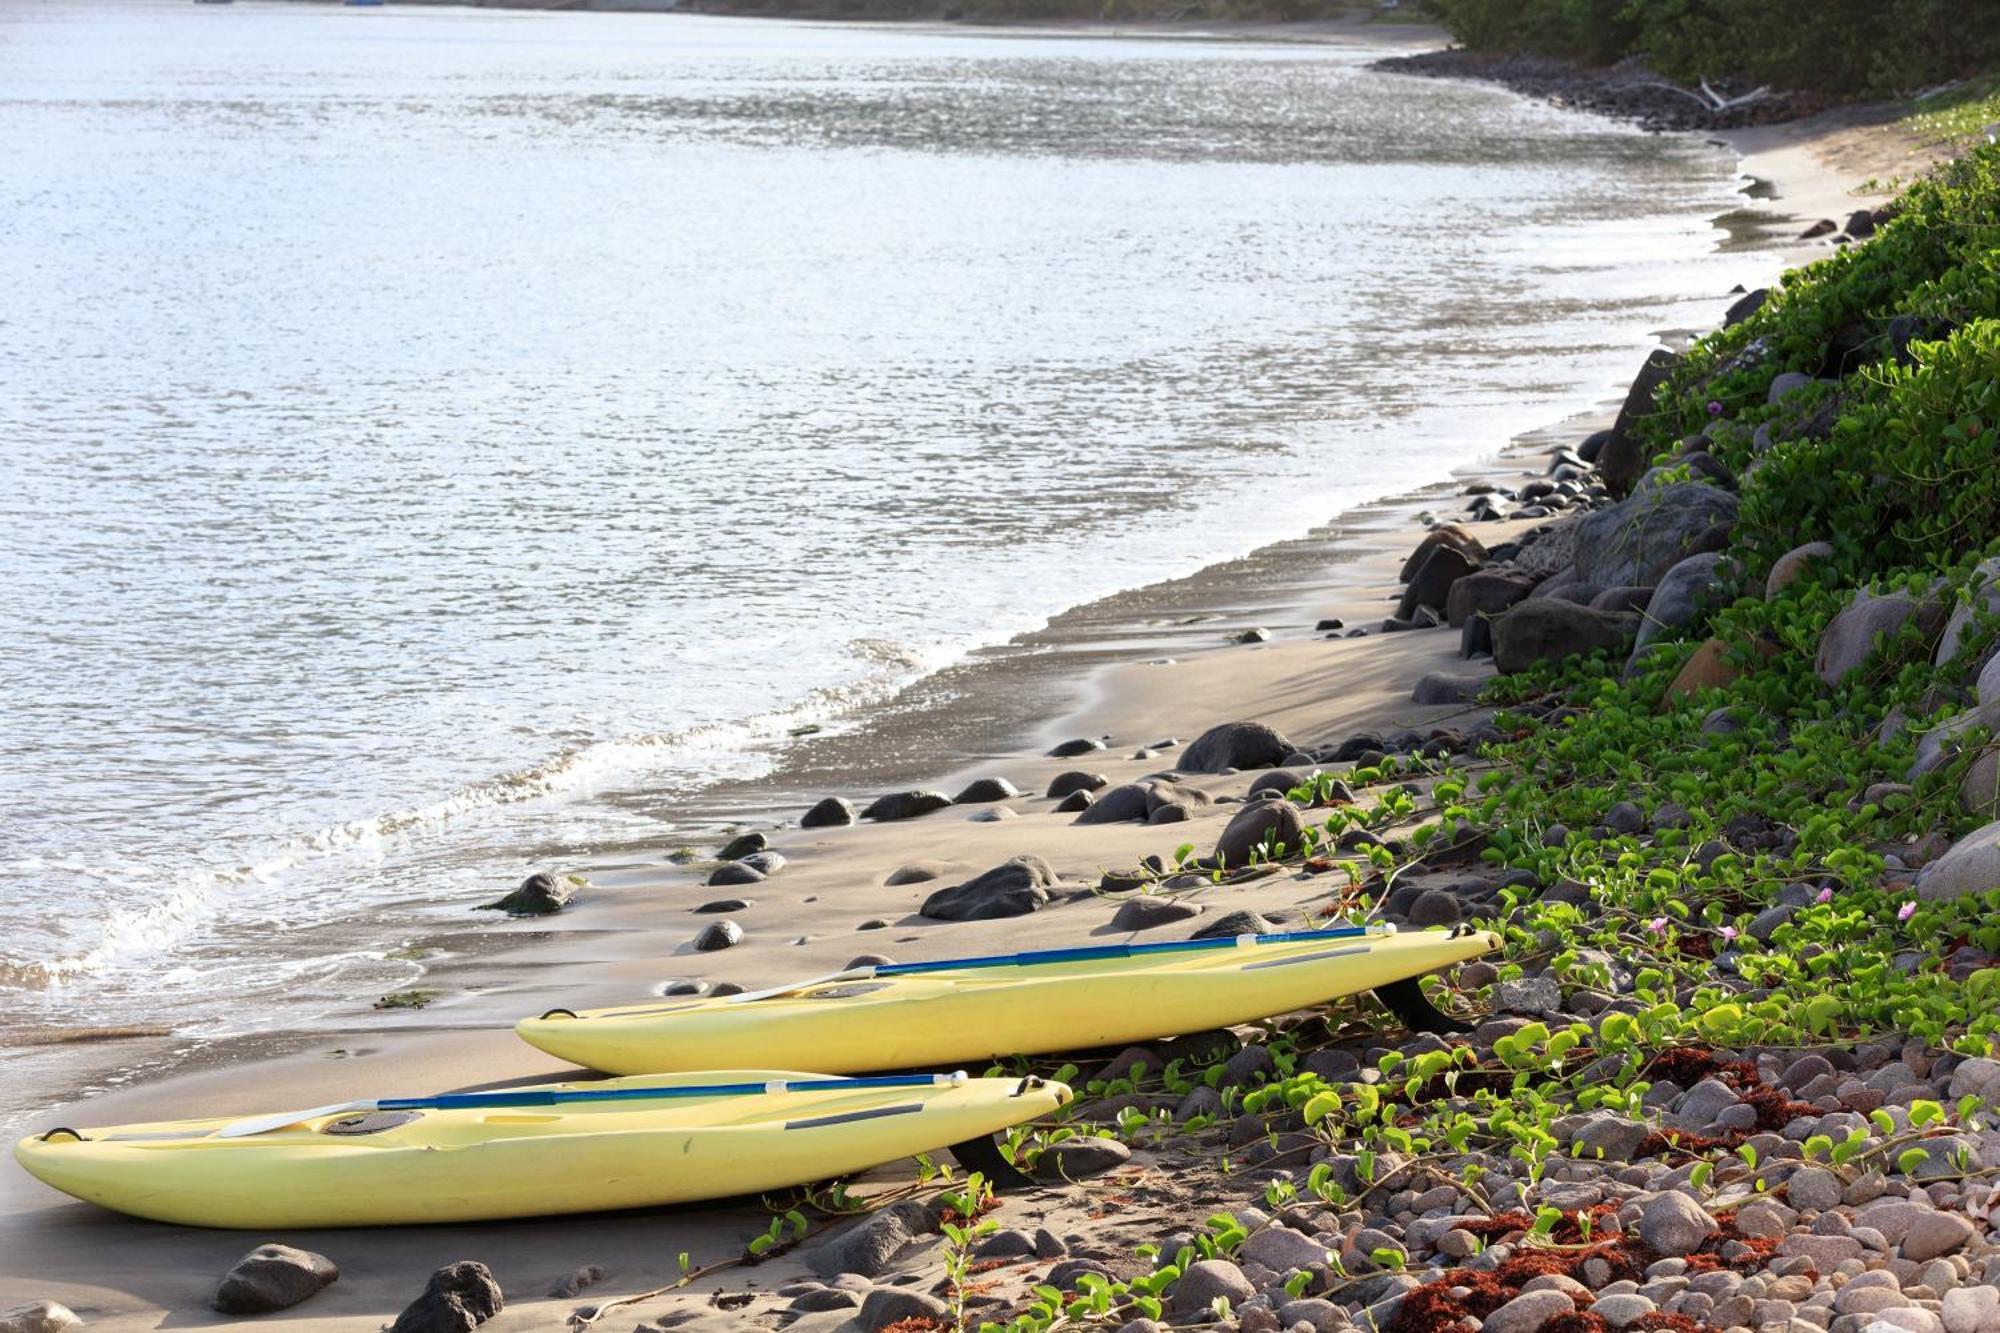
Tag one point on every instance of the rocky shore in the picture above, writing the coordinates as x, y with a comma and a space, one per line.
1696, 710
1628, 91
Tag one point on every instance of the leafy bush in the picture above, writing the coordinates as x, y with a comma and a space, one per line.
1844, 47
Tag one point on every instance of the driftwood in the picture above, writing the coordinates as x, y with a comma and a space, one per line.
1712, 100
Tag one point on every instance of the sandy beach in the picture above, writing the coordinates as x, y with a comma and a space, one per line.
1124, 671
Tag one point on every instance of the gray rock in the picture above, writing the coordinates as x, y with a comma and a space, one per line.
832, 812
1118, 805
1439, 688
1070, 749
1015, 887
735, 872
1281, 1249
1234, 924
1606, 1137
892, 1305
1982, 599
1623, 456
1640, 539
1235, 745
1529, 1311
1151, 913
872, 1244
1623, 1310
273, 1277
38, 1317
540, 894
766, 863
1074, 803
1081, 1158
1971, 866
1205, 1280
1792, 566
1436, 907
1683, 593
1813, 1188
1075, 780
1271, 823
459, 1297
905, 805
1432, 582
821, 1299
1447, 535
724, 934
982, 790
1849, 638
741, 846
1672, 1224
1934, 1234
917, 872
1549, 630
1529, 995
1487, 592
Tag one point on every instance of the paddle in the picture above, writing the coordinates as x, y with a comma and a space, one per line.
461, 1101
1083, 955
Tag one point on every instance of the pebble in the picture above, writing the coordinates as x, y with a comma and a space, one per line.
273, 1277
1528, 1312
1207, 1279
1076, 1159
1673, 1224
1624, 1310
718, 935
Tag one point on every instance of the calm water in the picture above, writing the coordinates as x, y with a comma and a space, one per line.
419, 424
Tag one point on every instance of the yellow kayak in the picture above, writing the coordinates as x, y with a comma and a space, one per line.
912, 1015
523, 1152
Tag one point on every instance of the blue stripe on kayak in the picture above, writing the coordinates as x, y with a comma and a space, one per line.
822, 1121
1084, 955
461, 1101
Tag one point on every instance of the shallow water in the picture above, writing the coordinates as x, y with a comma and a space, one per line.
423, 427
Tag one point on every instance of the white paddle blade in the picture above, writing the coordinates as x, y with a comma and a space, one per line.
793, 988
265, 1124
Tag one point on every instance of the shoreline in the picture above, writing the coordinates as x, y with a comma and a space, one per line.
606, 949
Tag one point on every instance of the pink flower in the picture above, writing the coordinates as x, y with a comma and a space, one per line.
1825, 895
1906, 911
1658, 925
1729, 933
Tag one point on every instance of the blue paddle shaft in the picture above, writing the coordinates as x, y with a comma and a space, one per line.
1102, 951
457, 1101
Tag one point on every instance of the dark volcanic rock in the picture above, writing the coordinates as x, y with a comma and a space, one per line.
1013, 888
1062, 784
1269, 821
539, 895
1438, 688
905, 805
458, 1298
1636, 542
739, 847
1071, 749
1432, 583
1488, 591
1117, 805
1075, 802
1235, 745
718, 935
736, 872
273, 1277
871, 1245
1745, 306
986, 789
1151, 913
830, 813
1549, 630
1234, 924
1448, 535
1624, 457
